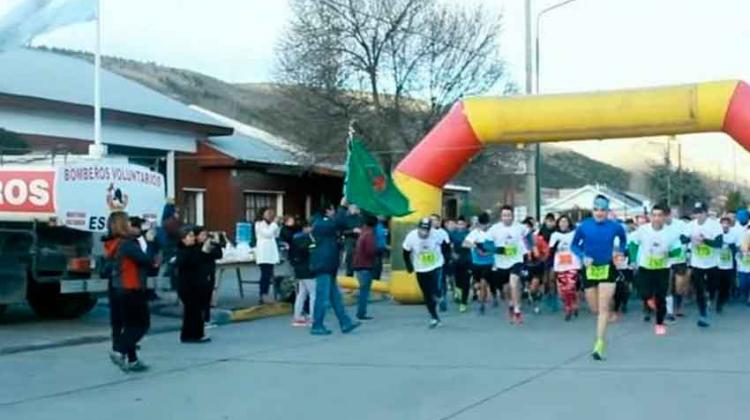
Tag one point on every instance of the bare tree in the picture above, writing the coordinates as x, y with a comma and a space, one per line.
393, 65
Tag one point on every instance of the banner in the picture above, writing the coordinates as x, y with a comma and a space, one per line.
86, 193
27, 191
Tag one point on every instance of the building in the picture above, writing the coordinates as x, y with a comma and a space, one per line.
623, 204
47, 99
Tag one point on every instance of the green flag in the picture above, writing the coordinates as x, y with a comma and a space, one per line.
369, 186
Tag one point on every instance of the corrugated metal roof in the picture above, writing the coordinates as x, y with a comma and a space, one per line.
251, 149
52, 76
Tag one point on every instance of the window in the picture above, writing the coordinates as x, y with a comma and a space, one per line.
192, 206
255, 201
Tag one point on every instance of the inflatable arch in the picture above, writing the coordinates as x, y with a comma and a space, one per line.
475, 122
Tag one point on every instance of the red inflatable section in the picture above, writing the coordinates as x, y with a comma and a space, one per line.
737, 119
429, 161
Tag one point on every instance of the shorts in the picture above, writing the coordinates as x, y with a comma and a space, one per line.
481, 272
534, 270
587, 284
679, 269
502, 275
652, 282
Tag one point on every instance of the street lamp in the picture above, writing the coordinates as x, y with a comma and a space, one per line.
537, 53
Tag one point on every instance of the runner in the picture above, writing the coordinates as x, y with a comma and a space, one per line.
625, 265
461, 263
594, 244
482, 258
705, 236
424, 250
566, 265
743, 266
727, 272
678, 266
442, 285
535, 262
654, 241
549, 279
510, 251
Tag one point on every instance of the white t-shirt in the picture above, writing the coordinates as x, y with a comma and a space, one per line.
511, 238
443, 235
479, 236
426, 254
678, 228
702, 255
726, 259
654, 246
565, 259
743, 260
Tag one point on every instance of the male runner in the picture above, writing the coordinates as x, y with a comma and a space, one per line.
727, 273
654, 241
509, 254
442, 285
594, 244
678, 282
482, 258
705, 236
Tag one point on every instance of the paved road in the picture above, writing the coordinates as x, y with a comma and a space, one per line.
394, 368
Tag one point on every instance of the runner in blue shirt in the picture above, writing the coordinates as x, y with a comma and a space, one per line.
594, 244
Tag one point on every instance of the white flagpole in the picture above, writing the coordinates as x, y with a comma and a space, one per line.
98, 150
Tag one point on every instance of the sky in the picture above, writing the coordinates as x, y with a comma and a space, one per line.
585, 45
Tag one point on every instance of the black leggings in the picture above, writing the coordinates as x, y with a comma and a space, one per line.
266, 277
192, 298
428, 283
622, 290
704, 279
115, 316
463, 281
654, 284
136, 321
726, 279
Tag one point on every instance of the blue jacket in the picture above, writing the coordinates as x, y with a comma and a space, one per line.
326, 255
381, 236
596, 240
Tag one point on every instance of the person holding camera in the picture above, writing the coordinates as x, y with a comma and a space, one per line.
192, 285
214, 244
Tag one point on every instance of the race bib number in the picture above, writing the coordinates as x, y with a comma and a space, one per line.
703, 251
510, 251
427, 258
656, 262
565, 258
745, 260
726, 255
597, 272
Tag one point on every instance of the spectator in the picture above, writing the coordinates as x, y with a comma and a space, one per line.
353, 225
208, 267
365, 253
169, 237
324, 262
299, 256
266, 250
192, 285
381, 241
129, 283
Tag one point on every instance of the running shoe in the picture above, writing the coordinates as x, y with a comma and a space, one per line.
457, 295
351, 327
299, 322
660, 329
434, 323
598, 352
117, 358
321, 331
703, 322
462, 308
518, 318
136, 366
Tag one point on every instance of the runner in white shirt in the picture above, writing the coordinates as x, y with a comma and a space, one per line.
705, 242
743, 265
423, 254
566, 265
654, 241
510, 251
727, 274
678, 282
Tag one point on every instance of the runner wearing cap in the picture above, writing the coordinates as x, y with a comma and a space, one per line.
705, 236
655, 241
594, 242
510, 249
424, 253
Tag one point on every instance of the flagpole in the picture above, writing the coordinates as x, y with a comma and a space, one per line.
97, 149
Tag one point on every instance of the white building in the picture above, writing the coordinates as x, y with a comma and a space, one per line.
623, 204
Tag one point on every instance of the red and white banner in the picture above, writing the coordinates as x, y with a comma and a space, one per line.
27, 191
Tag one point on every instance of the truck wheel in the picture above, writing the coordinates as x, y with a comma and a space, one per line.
48, 302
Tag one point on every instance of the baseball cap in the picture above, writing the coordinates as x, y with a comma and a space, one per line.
425, 223
700, 207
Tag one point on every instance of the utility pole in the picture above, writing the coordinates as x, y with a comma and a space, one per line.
533, 151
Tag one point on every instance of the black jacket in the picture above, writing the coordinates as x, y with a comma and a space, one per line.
190, 274
299, 256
